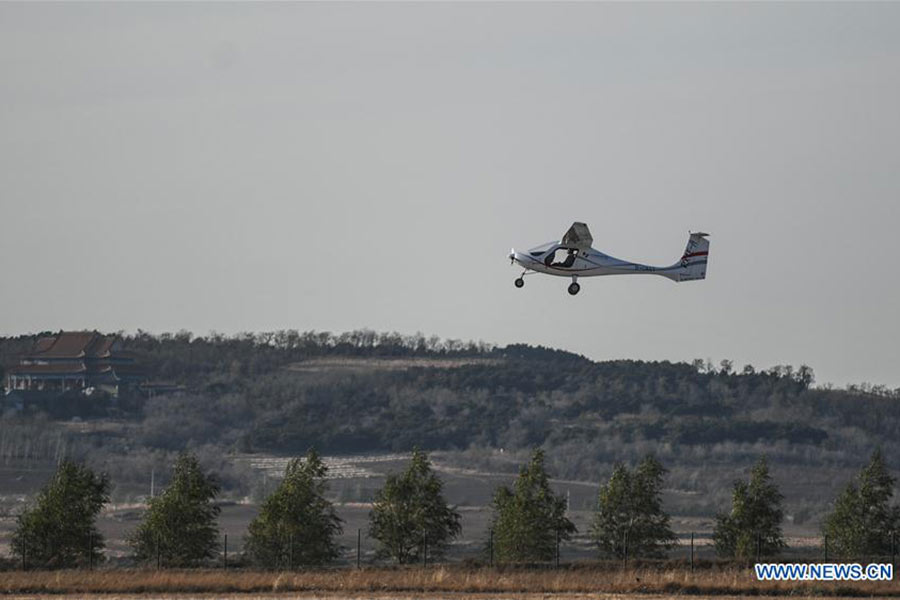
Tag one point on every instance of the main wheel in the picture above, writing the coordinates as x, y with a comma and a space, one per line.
520, 282
574, 288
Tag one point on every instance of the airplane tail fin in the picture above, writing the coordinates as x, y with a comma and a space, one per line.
692, 265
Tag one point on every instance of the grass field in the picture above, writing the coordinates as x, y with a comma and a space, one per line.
396, 596
432, 582
399, 596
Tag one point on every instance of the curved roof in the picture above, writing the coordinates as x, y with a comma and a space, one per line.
73, 344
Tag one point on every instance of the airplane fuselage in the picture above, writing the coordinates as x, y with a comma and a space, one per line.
588, 263
574, 257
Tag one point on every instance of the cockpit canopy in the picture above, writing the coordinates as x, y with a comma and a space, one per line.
543, 249
577, 238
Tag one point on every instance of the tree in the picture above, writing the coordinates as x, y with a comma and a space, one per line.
629, 515
863, 518
296, 521
410, 511
529, 519
180, 524
805, 376
60, 530
754, 522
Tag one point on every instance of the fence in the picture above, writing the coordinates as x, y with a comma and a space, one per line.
687, 554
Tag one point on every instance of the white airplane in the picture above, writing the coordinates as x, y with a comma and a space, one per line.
573, 257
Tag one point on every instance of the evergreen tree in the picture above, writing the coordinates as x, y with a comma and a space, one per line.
863, 518
56, 532
629, 513
181, 522
410, 511
528, 518
755, 518
296, 513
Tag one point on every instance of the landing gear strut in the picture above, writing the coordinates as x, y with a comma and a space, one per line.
574, 288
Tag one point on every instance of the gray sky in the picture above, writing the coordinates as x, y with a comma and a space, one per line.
335, 166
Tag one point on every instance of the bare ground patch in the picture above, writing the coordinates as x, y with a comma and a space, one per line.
344, 363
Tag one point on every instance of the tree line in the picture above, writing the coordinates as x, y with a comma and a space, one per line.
410, 518
242, 393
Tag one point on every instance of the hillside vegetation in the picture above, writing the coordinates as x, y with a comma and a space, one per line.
286, 391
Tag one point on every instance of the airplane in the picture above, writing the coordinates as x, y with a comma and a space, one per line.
574, 257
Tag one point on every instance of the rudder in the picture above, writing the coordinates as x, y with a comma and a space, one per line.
695, 259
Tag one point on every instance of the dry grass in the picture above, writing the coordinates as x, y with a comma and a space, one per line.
434, 581
388, 596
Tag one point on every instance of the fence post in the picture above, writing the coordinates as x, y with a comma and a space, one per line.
625, 549
424, 549
157, 552
24, 553
692, 552
291, 552
491, 547
225, 548
358, 545
557, 547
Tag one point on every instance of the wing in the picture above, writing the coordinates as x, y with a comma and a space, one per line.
578, 236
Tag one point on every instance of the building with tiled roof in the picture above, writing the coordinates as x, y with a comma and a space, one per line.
75, 360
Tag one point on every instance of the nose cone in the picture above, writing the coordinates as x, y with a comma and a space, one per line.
518, 257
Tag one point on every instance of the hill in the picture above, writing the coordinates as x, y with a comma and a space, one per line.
365, 392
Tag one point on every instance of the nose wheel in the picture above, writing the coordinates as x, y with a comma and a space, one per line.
520, 282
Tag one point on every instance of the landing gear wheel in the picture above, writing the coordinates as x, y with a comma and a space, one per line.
574, 288
520, 282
